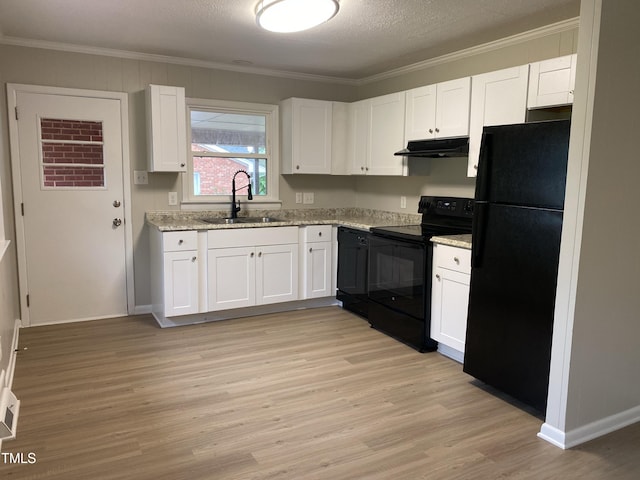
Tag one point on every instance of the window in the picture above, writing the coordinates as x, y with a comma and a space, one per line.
224, 138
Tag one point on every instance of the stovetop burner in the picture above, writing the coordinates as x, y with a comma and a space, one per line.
440, 216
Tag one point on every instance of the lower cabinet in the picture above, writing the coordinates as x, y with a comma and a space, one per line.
450, 298
247, 267
316, 261
175, 267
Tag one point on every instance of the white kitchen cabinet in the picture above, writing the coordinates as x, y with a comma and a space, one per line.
551, 82
316, 261
438, 111
450, 299
306, 135
376, 132
175, 267
497, 98
166, 129
247, 267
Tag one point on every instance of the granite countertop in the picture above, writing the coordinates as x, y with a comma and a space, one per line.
461, 241
359, 218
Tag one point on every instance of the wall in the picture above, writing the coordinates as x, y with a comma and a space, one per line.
65, 69
9, 302
75, 70
596, 358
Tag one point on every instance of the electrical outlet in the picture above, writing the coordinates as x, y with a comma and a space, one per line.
140, 177
173, 198
403, 202
307, 197
298, 197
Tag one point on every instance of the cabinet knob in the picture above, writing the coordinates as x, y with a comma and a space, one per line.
251, 254
437, 130
456, 259
475, 166
182, 165
180, 242
193, 259
362, 168
297, 167
367, 169
571, 92
310, 249
431, 130
259, 254
437, 276
319, 234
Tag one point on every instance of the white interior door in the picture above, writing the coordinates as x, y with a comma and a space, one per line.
70, 158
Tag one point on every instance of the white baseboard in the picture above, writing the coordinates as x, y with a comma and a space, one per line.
141, 310
450, 352
14, 353
244, 312
590, 431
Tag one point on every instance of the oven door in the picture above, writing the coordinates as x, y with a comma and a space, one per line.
398, 274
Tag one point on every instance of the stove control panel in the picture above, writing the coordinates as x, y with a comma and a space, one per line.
446, 206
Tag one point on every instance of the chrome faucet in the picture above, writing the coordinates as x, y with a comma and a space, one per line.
235, 207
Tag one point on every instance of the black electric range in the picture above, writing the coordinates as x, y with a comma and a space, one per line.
400, 264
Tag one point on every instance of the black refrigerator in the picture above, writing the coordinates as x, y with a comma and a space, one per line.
517, 224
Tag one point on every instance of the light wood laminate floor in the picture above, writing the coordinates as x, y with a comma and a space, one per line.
304, 395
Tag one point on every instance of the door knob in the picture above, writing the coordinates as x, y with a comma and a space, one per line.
117, 222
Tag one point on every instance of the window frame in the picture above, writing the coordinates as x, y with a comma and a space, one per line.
272, 125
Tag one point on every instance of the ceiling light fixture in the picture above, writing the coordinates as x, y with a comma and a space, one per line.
286, 16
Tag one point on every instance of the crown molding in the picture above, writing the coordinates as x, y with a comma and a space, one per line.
190, 62
529, 35
554, 28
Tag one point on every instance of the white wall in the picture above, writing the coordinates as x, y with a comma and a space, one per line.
596, 355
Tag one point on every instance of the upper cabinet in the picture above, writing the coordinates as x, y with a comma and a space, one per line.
438, 111
376, 132
497, 98
166, 129
306, 135
551, 82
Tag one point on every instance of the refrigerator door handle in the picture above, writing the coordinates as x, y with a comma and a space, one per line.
484, 171
478, 233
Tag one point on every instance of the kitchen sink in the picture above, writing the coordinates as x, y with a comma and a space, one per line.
225, 221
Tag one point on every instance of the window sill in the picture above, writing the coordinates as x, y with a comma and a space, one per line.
194, 205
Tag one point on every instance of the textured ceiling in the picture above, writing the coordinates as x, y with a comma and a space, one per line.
366, 38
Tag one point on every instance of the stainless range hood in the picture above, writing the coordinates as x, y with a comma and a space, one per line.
437, 148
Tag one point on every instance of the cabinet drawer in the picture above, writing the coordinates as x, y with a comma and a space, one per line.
180, 241
251, 237
452, 258
317, 233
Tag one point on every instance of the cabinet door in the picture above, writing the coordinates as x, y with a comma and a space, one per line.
310, 137
551, 82
276, 273
420, 114
497, 98
386, 134
450, 301
452, 108
317, 269
166, 129
231, 278
359, 119
180, 283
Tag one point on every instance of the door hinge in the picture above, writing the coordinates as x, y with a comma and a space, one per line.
28, 300
16, 113
22, 208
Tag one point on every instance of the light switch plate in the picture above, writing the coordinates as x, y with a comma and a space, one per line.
173, 198
298, 197
307, 197
403, 202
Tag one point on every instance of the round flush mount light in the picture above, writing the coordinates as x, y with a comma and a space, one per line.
286, 16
